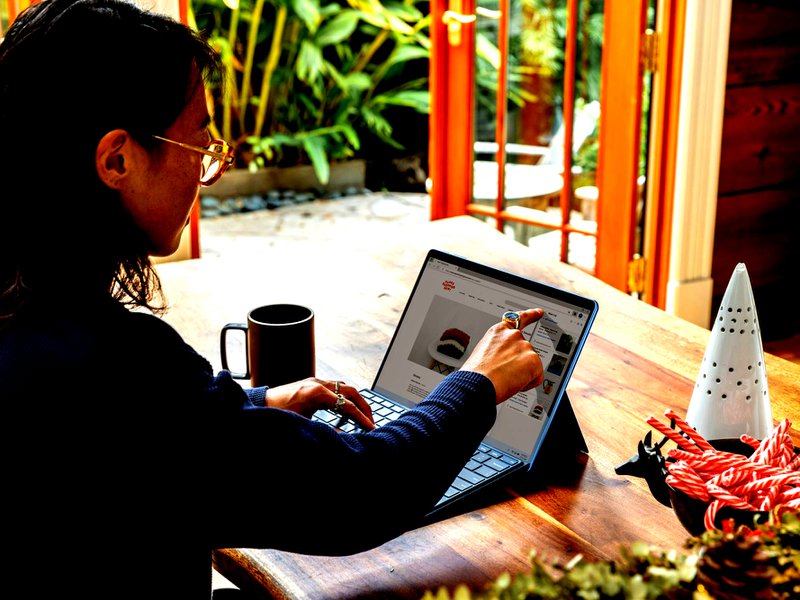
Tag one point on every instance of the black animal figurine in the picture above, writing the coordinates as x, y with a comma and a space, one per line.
648, 464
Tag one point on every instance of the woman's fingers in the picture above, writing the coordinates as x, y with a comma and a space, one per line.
526, 317
349, 403
507, 358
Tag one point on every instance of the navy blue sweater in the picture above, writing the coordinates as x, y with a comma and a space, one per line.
123, 453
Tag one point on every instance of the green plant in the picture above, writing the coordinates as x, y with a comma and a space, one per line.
308, 81
536, 55
749, 563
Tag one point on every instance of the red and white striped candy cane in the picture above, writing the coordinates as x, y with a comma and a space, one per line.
765, 483
750, 440
731, 476
787, 494
690, 489
786, 453
698, 439
770, 445
683, 477
728, 498
769, 480
711, 514
672, 434
794, 464
770, 498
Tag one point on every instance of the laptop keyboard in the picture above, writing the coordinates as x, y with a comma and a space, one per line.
485, 463
383, 411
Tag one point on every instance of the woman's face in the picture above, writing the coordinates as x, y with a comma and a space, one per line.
164, 191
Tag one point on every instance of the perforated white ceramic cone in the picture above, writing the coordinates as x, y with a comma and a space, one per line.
731, 396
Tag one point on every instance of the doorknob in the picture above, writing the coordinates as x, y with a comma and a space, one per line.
454, 19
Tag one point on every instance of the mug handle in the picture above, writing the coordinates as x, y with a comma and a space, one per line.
223, 349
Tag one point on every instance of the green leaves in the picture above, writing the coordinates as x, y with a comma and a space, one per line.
320, 78
645, 572
419, 101
315, 148
309, 63
338, 29
316, 144
308, 11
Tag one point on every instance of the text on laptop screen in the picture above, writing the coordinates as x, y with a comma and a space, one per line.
450, 309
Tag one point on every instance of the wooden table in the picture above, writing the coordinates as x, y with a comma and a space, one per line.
638, 361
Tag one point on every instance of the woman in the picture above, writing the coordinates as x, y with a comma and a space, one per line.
114, 425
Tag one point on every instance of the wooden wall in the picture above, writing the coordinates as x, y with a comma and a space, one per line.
758, 209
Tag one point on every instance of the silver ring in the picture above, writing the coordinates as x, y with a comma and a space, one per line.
340, 400
512, 318
336, 388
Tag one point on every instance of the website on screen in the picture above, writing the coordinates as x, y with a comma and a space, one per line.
451, 309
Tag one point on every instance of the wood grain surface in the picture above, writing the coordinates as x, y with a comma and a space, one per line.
638, 362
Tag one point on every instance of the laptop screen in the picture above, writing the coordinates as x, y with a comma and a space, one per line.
453, 302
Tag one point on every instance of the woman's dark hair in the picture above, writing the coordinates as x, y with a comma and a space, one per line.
70, 71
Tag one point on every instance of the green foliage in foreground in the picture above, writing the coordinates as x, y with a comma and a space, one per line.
742, 564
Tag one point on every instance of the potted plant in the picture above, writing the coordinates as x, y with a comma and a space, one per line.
314, 82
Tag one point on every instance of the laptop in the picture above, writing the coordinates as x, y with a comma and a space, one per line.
452, 304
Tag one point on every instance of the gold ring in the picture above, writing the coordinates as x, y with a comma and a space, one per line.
340, 400
336, 388
512, 318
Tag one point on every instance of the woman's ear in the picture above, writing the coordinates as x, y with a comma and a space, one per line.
114, 158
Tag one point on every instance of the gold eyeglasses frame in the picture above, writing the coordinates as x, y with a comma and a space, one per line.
225, 158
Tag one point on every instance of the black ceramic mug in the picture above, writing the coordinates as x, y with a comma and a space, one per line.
279, 344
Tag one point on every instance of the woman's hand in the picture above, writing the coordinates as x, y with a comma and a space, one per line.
507, 358
309, 395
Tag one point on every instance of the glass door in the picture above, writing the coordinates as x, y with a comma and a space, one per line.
548, 86
532, 71
540, 125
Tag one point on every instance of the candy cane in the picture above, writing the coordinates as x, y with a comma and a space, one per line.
671, 434
726, 497
765, 483
689, 430
716, 461
750, 440
686, 455
693, 491
769, 480
731, 477
770, 498
770, 445
794, 464
790, 494
689, 479
711, 515
787, 452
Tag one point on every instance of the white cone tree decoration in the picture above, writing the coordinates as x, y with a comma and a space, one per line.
731, 396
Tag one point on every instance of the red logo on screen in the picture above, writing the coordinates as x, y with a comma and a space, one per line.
448, 285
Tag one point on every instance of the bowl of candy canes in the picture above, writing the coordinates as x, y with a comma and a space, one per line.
710, 482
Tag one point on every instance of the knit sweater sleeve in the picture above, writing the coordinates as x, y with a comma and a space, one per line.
290, 471
277, 471
257, 396
145, 446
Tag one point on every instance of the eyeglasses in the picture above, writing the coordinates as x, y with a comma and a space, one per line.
218, 157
